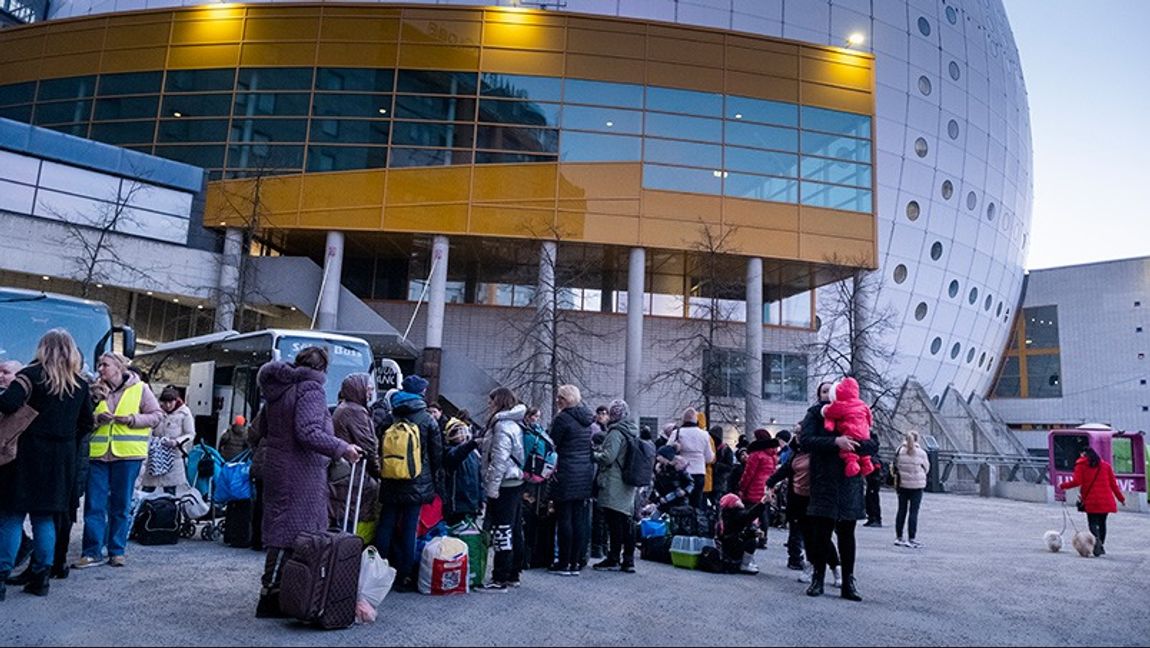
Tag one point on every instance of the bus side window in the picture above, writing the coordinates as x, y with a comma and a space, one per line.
1122, 452
1067, 447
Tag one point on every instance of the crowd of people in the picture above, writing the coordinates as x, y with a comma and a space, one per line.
91, 439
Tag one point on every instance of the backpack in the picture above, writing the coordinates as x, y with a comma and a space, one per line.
539, 455
639, 462
157, 521
399, 451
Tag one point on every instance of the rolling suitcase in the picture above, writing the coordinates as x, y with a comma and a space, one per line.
321, 579
238, 523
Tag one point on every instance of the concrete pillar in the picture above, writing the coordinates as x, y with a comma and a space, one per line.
228, 288
636, 275
436, 302
753, 378
328, 310
545, 303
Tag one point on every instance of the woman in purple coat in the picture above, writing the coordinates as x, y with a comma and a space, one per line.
298, 443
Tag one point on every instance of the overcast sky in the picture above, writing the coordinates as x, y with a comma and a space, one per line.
1086, 70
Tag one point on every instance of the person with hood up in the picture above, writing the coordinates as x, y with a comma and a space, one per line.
351, 422
616, 497
847, 415
503, 484
673, 485
762, 460
401, 499
299, 443
694, 445
462, 473
574, 474
125, 419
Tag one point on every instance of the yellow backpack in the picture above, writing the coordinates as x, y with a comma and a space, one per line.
399, 451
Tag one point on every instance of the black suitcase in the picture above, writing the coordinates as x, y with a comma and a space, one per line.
238, 523
656, 549
157, 521
321, 580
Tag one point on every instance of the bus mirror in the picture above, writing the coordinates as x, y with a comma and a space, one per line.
129, 341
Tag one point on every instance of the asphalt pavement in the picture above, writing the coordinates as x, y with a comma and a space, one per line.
983, 577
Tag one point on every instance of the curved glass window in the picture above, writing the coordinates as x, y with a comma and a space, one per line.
762, 110
833, 121
420, 157
683, 127
271, 104
744, 185
358, 131
192, 130
836, 172
669, 178
350, 105
429, 134
67, 88
208, 157
766, 137
130, 83
971, 200
603, 93
757, 161
517, 86
200, 80
528, 113
205, 105
836, 146
835, 197
593, 147
269, 130
609, 120
973, 297
17, 93
125, 132
127, 108
64, 112
691, 102
262, 157
990, 212
342, 158
986, 304
970, 355
274, 79
354, 80
436, 82
517, 138
434, 108
676, 152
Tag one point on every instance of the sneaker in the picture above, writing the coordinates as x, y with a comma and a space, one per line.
558, 570
514, 583
627, 568
573, 571
494, 588
915, 544
117, 561
873, 524
899, 542
838, 579
805, 577
87, 561
606, 565
795, 566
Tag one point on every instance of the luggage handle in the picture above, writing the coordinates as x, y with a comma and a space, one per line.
359, 495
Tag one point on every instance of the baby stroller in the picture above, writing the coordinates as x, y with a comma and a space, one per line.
203, 463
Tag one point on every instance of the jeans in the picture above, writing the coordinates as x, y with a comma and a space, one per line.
108, 505
1097, 524
572, 531
43, 540
622, 531
505, 521
907, 497
820, 548
395, 536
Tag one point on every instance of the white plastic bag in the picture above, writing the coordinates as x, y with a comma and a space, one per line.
443, 567
375, 580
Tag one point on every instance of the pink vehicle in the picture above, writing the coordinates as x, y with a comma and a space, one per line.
1126, 452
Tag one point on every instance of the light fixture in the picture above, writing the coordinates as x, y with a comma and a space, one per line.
738, 115
149, 293
719, 174
99, 285
383, 111
176, 299
293, 308
222, 223
176, 113
855, 39
200, 307
45, 277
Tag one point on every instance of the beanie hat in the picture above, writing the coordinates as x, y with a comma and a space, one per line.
762, 435
618, 410
784, 436
690, 416
457, 432
667, 452
730, 501
415, 384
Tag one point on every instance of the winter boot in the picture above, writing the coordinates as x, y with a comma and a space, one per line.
38, 582
3, 585
850, 592
23, 578
816, 587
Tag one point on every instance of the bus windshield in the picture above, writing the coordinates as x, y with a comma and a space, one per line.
344, 358
26, 318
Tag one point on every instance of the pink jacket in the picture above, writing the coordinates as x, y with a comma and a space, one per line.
847, 414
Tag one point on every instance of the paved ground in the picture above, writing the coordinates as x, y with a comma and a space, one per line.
983, 578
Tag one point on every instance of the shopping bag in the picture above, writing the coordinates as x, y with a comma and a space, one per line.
375, 580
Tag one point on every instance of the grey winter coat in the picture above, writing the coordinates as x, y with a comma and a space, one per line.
575, 471
833, 494
180, 427
614, 494
503, 452
298, 442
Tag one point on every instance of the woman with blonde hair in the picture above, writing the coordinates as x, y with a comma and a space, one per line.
125, 418
911, 466
38, 482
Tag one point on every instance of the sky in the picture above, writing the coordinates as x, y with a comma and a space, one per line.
1088, 81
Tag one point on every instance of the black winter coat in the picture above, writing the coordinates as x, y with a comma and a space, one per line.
463, 482
722, 468
575, 472
42, 478
423, 488
833, 494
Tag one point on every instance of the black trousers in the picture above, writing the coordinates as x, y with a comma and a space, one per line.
796, 514
908, 499
1097, 524
258, 516
505, 522
820, 547
599, 536
622, 532
697, 491
873, 503
572, 528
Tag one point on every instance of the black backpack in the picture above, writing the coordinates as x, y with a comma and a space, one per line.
639, 462
158, 521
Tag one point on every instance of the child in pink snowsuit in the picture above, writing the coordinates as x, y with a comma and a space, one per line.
847, 415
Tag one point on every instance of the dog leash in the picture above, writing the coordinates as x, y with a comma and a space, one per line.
1066, 518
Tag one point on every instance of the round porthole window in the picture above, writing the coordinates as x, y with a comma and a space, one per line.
955, 70
971, 200
935, 346
947, 189
982, 359
899, 273
924, 86
953, 289
987, 304
936, 250
923, 26
912, 210
952, 129
998, 312
990, 363
920, 147
990, 212
955, 350
952, 15
920, 311
973, 297
970, 355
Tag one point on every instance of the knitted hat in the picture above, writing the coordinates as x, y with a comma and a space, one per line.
240, 420
415, 384
618, 410
690, 416
667, 452
730, 501
456, 432
762, 435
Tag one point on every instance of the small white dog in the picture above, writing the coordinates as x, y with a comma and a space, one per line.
1053, 541
1083, 543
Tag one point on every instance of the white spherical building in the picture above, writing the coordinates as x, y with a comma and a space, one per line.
953, 159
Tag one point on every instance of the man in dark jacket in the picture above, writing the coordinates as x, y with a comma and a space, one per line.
401, 499
574, 474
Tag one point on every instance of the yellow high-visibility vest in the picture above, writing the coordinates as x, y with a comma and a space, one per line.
126, 442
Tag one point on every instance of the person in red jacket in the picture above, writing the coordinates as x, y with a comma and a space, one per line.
762, 460
1098, 490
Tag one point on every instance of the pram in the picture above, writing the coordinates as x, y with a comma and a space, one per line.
203, 463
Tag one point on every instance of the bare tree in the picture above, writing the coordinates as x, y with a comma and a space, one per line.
709, 342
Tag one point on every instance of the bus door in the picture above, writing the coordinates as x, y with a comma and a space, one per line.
1065, 446
1128, 457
